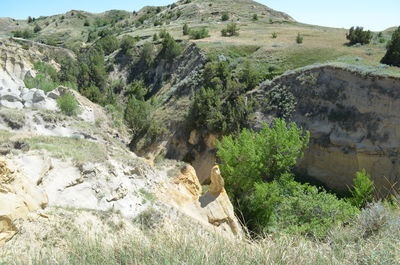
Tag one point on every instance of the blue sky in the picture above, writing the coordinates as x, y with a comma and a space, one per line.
371, 14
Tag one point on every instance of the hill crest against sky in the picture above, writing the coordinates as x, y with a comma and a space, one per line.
376, 15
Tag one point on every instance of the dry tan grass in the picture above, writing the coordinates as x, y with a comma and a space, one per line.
83, 237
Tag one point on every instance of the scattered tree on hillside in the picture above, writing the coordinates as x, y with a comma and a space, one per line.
127, 44
170, 49
392, 56
25, 34
186, 30
225, 16
299, 38
147, 53
200, 33
231, 30
108, 44
155, 37
359, 35
37, 28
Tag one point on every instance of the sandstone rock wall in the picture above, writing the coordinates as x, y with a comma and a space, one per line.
18, 197
354, 121
212, 208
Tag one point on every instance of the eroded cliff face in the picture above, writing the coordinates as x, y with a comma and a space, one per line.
18, 198
212, 209
354, 121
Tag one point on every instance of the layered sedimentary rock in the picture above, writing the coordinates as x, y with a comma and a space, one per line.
354, 121
18, 197
212, 209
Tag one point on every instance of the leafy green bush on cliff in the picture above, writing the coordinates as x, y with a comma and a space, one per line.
68, 104
219, 106
257, 171
170, 49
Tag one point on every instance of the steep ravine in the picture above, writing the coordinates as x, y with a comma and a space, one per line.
353, 116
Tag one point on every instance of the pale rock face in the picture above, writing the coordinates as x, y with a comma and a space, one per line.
11, 105
354, 122
15, 66
212, 209
18, 197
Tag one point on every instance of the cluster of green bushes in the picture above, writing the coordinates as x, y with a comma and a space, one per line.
68, 104
24, 34
195, 34
220, 106
45, 79
257, 171
127, 44
138, 116
231, 29
359, 35
170, 49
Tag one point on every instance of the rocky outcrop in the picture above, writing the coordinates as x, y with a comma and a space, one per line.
212, 209
18, 197
16, 64
354, 120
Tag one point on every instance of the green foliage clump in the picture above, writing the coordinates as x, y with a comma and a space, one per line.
257, 171
170, 49
92, 71
137, 116
108, 44
392, 56
68, 104
147, 53
185, 30
45, 79
299, 39
37, 28
231, 30
200, 33
359, 35
86, 23
40, 82
274, 35
249, 76
155, 37
136, 89
163, 33
282, 101
225, 16
294, 208
25, 34
219, 106
127, 44
264, 156
255, 17
363, 190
